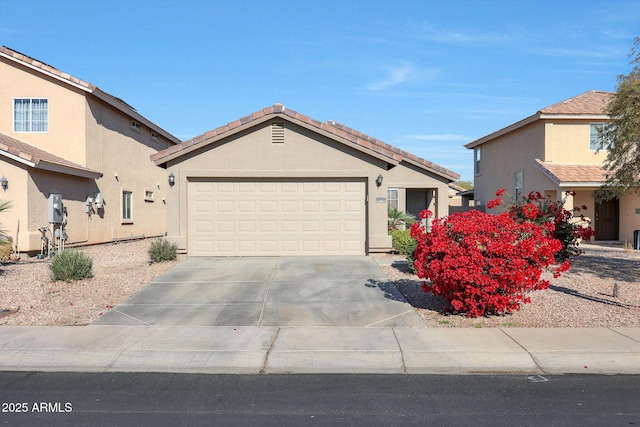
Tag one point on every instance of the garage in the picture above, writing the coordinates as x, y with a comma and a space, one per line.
272, 217
279, 183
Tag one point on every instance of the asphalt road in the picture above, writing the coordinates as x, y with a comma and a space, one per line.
281, 400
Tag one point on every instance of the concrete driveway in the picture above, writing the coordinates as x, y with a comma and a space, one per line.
268, 291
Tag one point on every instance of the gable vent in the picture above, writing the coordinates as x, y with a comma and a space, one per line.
277, 132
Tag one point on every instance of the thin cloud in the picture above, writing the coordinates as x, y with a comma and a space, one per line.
431, 33
401, 74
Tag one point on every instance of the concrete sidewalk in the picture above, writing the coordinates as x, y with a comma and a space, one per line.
274, 350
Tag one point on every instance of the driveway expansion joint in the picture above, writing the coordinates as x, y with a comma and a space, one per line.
533, 358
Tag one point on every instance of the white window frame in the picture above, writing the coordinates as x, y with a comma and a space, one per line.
136, 126
126, 206
593, 135
477, 161
29, 121
395, 199
518, 187
148, 195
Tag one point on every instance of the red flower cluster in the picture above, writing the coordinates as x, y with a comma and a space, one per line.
485, 264
567, 227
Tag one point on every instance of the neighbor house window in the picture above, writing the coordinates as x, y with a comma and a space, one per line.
135, 126
594, 136
30, 115
392, 198
518, 185
126, 206
148, 195
154, 136
477, 165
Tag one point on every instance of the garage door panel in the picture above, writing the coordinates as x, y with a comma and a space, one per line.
276, 218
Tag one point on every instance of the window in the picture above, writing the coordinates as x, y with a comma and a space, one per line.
30, 115
392, 198
154, 136
135, 126
594, 137
126, 206
476, 161
518, 185
148, 196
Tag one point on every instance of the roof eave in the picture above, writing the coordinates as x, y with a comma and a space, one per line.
215, 137
52, 167
103, 96
504, 131
452, 177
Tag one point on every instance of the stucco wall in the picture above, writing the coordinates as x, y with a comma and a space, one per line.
629, 216
122, 155
66, 111
505, 155
568, 142
304, 154
17, 195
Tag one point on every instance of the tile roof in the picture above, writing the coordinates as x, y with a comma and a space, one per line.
573, 174
44, 67
41, 159
592, 102
337, 130
96, 91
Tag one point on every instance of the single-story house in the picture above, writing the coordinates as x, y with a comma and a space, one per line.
277, 182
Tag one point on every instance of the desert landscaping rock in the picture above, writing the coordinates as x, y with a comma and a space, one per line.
582, 297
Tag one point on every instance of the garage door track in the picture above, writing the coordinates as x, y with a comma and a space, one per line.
268, 291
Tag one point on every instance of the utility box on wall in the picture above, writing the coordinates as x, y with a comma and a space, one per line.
55, 208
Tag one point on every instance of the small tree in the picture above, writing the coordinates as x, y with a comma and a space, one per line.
397, 218
621, 136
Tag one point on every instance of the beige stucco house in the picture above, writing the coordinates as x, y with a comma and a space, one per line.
554, 151
277, 182
62, 136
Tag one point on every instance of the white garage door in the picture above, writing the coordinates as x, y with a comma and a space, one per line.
242, 218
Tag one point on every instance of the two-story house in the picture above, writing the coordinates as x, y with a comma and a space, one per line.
554, 151
74, 160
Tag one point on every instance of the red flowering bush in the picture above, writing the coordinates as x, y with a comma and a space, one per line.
568, 228
485, 264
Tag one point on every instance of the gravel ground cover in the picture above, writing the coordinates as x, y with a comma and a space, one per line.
582, 297
29, 297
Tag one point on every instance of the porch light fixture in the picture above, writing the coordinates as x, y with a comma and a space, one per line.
172, 179
379, 180
4, 183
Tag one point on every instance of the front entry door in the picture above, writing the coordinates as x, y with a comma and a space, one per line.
607, 216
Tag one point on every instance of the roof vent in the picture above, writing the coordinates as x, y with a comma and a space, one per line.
277, 132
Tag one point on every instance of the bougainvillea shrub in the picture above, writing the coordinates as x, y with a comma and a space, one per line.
569, 228
485, 264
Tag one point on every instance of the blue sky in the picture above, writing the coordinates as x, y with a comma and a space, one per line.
425, 76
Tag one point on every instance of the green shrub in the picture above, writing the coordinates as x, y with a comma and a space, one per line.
71, 265
162, 250
404, 244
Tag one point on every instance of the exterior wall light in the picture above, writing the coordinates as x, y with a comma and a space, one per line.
172, 179
4, 183
379, 180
